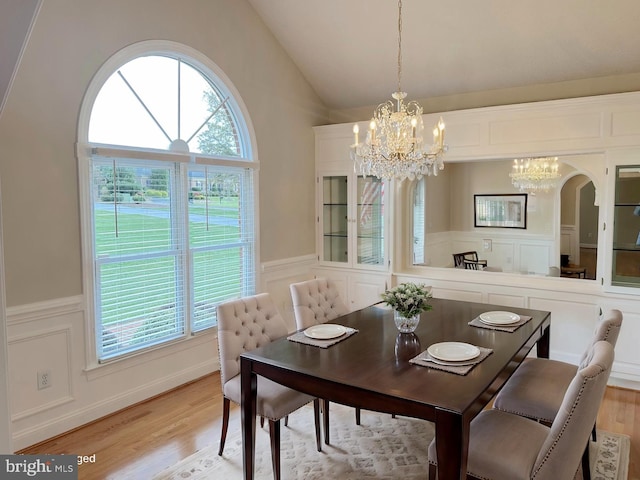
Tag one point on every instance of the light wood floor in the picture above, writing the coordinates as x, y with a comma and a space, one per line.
142, 440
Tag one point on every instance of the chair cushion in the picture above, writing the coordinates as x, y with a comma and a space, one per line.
501, 446
274, 401
536, 389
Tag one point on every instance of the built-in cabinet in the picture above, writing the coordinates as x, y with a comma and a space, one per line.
352, 224
626, 227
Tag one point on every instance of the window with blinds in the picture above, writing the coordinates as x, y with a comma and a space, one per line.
173, 233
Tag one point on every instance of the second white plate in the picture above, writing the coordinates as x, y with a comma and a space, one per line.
453, 351
499, 318
325, 331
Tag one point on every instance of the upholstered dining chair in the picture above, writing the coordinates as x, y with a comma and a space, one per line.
537, 387
244, 325
503, 445
318, 301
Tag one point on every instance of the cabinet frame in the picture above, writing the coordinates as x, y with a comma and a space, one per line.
331, 233
625, 239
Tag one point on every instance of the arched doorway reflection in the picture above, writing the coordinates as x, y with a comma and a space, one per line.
579, 228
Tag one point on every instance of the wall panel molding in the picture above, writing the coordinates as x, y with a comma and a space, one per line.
44, 310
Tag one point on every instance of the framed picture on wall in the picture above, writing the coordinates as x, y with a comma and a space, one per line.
500, 210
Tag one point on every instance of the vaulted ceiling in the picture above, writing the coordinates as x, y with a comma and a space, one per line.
347, 49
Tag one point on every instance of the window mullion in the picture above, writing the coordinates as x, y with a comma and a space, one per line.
182, 219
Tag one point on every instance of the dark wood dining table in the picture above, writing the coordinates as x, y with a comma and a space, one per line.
371, 370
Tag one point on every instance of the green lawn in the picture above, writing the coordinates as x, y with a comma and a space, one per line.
128, 295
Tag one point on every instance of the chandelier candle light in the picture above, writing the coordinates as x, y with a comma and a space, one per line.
394, 146
535, 174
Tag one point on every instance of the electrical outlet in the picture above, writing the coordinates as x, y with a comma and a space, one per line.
44, 379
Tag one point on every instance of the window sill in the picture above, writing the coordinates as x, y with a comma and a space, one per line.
97, 370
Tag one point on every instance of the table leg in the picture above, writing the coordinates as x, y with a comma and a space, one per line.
248, 389
452, 444
542, 347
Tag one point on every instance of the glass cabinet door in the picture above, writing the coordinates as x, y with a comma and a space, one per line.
370, 221
335, 219
626, 227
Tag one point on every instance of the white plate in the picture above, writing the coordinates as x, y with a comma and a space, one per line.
453, 351
325, 331
499, 318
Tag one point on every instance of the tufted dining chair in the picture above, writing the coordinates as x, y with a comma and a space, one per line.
314, 302
244, 325
537, 387
503, 445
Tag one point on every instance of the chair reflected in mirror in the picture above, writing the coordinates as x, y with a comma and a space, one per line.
471, 265
468, 260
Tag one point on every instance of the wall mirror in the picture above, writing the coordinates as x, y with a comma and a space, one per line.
561, 234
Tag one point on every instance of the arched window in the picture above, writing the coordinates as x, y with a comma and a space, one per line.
169, 197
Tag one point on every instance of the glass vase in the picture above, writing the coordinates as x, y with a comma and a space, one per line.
405, 324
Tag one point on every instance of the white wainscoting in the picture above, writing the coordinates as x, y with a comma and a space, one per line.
569, 243
276, 278
50, 336
511, 251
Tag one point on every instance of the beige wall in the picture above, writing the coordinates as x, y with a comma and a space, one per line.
492, 177
38, 127
438, 194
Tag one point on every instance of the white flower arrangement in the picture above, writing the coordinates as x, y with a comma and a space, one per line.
408, 299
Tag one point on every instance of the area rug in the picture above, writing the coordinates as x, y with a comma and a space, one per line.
609, 457
382, 447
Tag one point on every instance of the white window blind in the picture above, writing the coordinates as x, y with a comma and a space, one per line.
221, 238
172, 241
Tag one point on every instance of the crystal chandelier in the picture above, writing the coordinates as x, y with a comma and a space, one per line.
394, 146
535, 174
